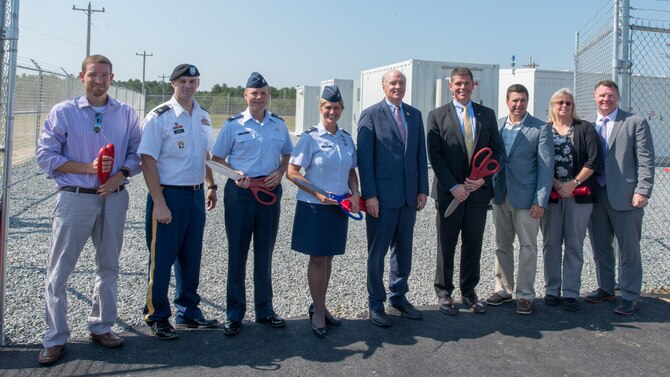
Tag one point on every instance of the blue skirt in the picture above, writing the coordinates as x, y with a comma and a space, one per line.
319, 230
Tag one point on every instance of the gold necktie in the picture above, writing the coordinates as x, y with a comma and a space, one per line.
467, 133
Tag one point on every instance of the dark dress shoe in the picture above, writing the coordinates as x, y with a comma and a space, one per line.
570, 304
408, 310
330, 319
50, 355
447, 305
198, 323
273, 320
232, 327
162, 329
627, 307
109, 340
379, 318
473, 303
599, 296
552, 300
319, 331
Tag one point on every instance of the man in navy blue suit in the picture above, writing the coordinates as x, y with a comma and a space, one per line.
393, 168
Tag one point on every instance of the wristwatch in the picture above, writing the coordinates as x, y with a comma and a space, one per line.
213, 187
578, 181
125, 171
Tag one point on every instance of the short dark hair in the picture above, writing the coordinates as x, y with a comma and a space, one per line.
93, 59
607, 83
516, 88
461, 71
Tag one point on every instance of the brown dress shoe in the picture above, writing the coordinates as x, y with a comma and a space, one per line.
447, 305
109, 340
50, 355
524, 306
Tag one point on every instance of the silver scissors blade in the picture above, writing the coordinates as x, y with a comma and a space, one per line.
223, 170
452, 207
304, 184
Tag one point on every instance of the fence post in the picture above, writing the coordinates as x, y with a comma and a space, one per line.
625, 60
38, 103
616, 35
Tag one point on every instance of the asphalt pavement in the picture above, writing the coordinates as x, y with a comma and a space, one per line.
550, 342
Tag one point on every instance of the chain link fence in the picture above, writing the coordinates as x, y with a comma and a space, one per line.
39, 87
644, 77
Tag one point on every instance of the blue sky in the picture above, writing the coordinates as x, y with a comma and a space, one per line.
295, 42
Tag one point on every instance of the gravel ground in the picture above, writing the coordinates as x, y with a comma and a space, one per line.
33, 200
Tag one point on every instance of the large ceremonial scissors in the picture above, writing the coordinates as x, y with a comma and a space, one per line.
256, 185
482, 166
342, 200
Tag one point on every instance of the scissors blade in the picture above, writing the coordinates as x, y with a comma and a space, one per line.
223, 170
452, 207
304, 184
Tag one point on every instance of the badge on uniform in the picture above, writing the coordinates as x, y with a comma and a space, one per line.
326, 146
178, 128
204, 122
180, 144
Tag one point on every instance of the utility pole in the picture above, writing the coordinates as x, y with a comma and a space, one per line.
89, 12
163, 86
144, 65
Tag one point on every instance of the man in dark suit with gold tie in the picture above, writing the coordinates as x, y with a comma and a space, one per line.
456, 131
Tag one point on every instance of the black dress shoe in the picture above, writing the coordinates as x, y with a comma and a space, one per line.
598, 296
232, 327
408, 310
473, 303
162, 329
447, 305
198, 323
570, 304
319, 331
379, 318
627, 307
552, 300
273, 320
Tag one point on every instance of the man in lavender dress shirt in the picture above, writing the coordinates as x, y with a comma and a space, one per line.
67, 152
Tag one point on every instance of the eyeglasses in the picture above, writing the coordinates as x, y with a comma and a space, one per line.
98, 122
566, 103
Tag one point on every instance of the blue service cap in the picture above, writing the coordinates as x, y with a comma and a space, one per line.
256, 80
331, 93
187, 70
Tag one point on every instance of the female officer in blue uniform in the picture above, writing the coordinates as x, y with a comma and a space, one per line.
328, 155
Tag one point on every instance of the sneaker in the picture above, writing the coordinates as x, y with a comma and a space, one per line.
570, 304
552, 300
498, 299
163, 330
524, 306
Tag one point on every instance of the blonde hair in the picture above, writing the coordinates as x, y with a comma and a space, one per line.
555, 97
323, 102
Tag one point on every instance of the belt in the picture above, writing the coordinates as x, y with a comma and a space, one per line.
192, 187
81, 190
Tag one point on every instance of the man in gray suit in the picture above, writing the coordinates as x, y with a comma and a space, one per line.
623, 190
393, 167
522, 188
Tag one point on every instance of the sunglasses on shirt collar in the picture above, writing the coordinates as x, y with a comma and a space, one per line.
98, 122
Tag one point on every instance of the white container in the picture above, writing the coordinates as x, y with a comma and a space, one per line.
541, 85
428, 84
306, 108
347, 91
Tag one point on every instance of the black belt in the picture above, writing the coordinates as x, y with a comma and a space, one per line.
192, 187
82, 190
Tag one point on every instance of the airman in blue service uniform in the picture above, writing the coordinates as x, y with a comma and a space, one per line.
257, 144
176, 139
328, 155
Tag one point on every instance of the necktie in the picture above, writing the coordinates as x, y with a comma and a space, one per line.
399, 123
603, 146
467, 132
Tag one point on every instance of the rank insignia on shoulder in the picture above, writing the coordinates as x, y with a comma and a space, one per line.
277, 116
313, 129
234, 117
345, 132
162, 109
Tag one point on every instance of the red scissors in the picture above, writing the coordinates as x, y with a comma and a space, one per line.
257, 185
482, 166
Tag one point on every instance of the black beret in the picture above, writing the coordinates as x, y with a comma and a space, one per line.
187, 70
256, 80
331, 93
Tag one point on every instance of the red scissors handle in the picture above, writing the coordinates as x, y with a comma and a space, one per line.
483, 165
257, 185
105, 151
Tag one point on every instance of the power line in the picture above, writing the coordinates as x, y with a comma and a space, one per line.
144, 65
